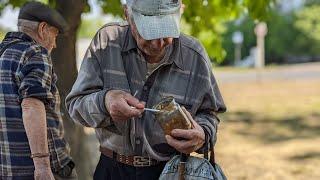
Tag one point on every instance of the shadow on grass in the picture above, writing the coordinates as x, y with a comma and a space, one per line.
308, 155
270, 130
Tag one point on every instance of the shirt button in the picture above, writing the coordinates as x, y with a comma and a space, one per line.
145, 88
138, 141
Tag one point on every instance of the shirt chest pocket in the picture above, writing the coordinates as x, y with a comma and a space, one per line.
175, 84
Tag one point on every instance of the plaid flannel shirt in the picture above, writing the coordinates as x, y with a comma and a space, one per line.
26, 71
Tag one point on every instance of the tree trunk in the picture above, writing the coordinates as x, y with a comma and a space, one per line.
64, 60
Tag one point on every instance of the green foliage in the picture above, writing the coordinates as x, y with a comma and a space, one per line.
258, 9
111, 6
312, 2
211, 15
284, 38
89, 27
2, 34
308, 22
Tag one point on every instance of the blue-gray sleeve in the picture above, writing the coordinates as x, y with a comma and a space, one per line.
85, 102
206, 116
209, 123
210, 105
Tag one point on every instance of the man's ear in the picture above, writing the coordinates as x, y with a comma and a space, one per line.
41, 29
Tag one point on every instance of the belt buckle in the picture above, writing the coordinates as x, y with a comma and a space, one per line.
139, 161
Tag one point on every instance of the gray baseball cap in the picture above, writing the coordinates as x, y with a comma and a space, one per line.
156, 19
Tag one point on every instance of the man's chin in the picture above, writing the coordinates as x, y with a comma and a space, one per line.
156, 53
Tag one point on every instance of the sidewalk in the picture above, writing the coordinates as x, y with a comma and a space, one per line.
286, 72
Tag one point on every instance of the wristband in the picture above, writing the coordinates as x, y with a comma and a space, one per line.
39, 155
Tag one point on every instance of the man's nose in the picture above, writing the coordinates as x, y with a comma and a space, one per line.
158, 43
162, 42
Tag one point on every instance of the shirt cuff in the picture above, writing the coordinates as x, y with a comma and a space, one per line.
206, 146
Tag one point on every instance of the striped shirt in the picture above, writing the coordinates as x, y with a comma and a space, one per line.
26, 71
113, 61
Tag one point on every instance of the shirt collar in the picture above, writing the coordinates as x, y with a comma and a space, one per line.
129, 41
19, 35
176, 54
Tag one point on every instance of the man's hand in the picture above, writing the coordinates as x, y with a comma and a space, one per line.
43, 174
192, 139
42, 169
122, 106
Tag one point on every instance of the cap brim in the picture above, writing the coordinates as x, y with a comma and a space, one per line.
59, 22
156, 27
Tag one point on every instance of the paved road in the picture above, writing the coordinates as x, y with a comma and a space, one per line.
288, 72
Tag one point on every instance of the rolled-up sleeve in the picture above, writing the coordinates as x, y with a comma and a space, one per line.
35, 76
85, 102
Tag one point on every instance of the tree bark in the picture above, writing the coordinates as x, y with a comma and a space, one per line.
64, 61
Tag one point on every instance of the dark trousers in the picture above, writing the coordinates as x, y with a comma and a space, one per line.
110, 169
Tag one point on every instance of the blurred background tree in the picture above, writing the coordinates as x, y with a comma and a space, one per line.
88, 27
2, 33
307, 22
292, 35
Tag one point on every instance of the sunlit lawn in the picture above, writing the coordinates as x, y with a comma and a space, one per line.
271, 130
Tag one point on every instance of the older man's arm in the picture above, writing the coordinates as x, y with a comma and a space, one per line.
35, 124
90, 103
85, 102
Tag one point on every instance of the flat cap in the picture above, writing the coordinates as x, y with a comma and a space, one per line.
36, 11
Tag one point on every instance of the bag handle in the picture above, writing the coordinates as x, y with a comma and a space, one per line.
210, 148
207, 150
182, 165
212, 158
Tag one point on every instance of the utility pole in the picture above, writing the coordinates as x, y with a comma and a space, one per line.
237, 39
261, 31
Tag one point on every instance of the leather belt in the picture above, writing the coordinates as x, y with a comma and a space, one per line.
136, 161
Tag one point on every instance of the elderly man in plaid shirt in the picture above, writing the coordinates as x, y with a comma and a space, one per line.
32, 146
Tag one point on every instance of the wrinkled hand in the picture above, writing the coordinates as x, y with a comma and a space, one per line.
192, 139
42, 169
122, 106
43, 174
